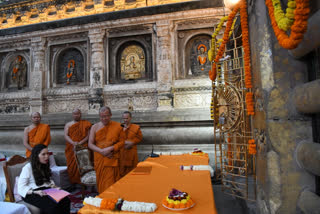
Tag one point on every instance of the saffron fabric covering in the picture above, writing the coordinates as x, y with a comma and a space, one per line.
164, 176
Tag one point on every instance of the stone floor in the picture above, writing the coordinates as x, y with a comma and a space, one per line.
227, 204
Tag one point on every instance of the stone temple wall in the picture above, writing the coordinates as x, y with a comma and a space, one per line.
131, 63
279, 127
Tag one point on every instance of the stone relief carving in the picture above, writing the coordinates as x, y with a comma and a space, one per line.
132, 63
195, 23
54, 106
14, 109
137, 103
130, 59
192, 100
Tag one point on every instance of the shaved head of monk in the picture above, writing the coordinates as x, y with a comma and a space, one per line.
76, 115
105, 115
35, 118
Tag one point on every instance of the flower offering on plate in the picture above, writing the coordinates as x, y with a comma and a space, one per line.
197, 151
177, 200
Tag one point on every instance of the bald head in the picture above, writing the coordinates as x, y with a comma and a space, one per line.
35, 118
35, 113
76, 110
76, 115
105, 115
105, 109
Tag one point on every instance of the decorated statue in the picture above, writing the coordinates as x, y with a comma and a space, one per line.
19, 72
202, 57
71, 74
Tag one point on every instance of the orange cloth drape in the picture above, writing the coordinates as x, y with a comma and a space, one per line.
38, 135
129, 157
154, 187
107, 170
77, 132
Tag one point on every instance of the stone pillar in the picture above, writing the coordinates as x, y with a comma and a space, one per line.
309, 202
164, 65
37, 74
308, 158
306, 97
97, 67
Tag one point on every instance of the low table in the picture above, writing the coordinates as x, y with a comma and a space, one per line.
164, 176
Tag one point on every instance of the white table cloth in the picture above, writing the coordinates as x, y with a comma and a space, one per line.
13, 208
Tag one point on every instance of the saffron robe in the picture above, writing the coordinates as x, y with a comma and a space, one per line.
129, 157
108, 169
76, 132
38, 135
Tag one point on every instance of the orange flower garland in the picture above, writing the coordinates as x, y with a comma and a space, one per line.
298, 28
250, 103
108, 204
252, 148
212, 72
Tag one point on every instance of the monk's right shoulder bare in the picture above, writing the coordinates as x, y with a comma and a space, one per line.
27, 129
95, 127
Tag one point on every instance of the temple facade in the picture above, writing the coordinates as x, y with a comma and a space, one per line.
151, 58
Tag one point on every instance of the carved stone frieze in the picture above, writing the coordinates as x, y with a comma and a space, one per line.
15, 45
67, 91
55, 106
197, 23
15, 108
136, 103
76, 37
134, 29
192, 99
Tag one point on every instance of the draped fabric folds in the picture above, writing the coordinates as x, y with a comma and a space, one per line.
129, 157
107, 169
76, 132
38, 135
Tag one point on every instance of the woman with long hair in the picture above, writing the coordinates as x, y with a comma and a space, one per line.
34, 178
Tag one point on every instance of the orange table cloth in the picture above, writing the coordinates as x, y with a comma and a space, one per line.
164, 176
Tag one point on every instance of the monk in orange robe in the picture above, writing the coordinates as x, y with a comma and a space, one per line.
76, 133
36, 133
132, 135
105, 140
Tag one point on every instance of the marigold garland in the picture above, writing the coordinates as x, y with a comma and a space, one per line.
108, 204
298, 28
211, 52
225, 39
250, 103
252, 148
284, 21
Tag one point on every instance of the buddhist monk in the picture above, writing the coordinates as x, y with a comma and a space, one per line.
76, 133
105, 140
132, 135
36, 133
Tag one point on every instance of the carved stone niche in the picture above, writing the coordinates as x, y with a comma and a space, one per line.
15, 67
193, 47
69, 65
130, 59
